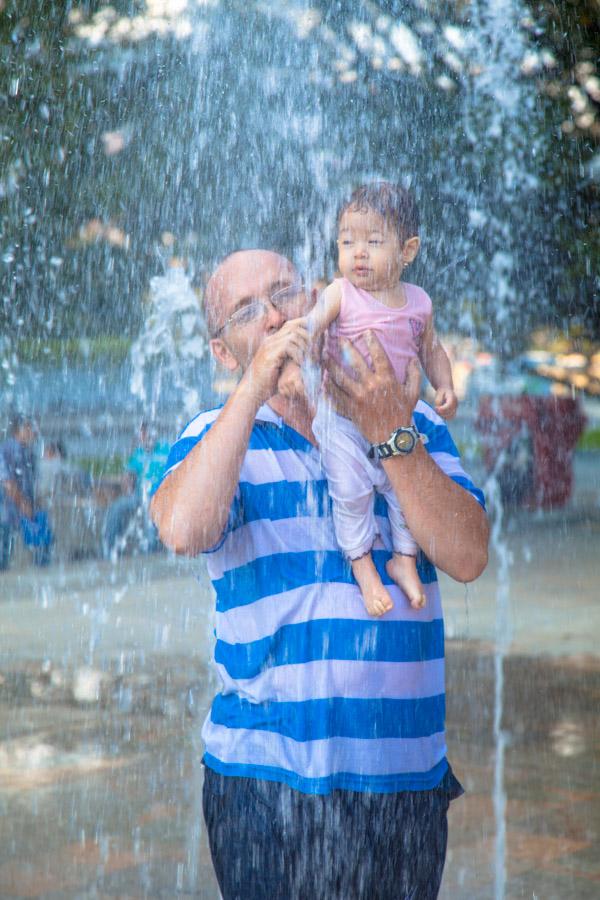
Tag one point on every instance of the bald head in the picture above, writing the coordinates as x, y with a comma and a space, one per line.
241, 274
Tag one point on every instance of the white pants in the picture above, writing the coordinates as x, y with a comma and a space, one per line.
353, 479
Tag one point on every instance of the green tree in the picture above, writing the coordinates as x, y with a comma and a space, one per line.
247, 124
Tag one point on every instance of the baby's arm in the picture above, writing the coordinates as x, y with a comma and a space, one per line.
325, 311
434, 360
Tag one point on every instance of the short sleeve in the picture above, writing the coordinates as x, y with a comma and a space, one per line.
191, 435
442, 449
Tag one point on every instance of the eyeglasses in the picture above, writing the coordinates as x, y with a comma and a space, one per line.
282, 299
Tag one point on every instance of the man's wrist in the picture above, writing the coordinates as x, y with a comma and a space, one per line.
382, 432
247, 393
401, 442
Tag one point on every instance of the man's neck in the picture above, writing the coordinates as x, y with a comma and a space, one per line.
295, 413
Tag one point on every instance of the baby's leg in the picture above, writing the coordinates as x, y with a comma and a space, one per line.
344, 456
402, 567
403, 570
356, 530
376, 598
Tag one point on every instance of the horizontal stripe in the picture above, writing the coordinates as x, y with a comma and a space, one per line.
319, 679
278, 436
284, 499
181, 449
274, 436
448, 463
320, 759
468, 485
183, 445
427, 417
271, 575
263, 538
345, 781
265, 466
439, 439
200, 421
320, 601
331, 639
334, 717
268, 433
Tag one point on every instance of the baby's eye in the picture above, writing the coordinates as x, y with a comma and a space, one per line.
345, 242
375, 241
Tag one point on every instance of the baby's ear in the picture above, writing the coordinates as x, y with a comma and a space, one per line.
410, 249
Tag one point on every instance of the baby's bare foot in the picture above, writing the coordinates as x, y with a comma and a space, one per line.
403, 570
375, 596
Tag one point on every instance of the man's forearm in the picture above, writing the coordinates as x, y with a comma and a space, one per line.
192, 504
445, 520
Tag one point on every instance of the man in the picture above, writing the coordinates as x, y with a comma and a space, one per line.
17, 494
325, 766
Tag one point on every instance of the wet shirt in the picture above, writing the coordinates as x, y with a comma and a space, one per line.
17, 464
316, 693
399, 329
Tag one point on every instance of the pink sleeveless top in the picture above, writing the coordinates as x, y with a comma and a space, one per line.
400, 331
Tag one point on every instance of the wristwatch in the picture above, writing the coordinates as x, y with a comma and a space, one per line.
401, 442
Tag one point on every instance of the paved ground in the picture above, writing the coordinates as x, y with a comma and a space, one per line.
104, 680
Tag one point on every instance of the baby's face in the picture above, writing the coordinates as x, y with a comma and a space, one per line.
369, 250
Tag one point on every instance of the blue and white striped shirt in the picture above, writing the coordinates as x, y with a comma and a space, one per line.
315, 692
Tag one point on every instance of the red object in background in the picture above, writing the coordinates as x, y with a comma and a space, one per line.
529, 441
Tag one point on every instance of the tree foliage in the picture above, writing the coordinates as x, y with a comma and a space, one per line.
248, 126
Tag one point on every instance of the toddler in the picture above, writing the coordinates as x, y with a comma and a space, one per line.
377, 239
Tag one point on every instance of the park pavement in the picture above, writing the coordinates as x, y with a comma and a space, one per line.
105, 677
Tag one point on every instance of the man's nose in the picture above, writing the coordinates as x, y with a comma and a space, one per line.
275, 317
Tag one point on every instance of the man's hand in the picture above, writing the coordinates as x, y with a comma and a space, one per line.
291, 384
372, 398
289, 343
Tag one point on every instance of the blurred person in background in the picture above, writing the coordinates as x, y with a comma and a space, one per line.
144, 470
58, 477
19, 509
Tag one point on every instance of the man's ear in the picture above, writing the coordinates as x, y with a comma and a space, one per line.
410, 250
223, 354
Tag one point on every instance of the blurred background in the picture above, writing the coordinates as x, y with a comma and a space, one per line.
139, 143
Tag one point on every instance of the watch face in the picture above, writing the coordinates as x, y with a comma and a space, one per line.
404, 441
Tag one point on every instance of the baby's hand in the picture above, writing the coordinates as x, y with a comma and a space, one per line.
290, 384
446, 402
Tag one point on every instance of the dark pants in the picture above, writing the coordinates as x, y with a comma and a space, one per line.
269, 842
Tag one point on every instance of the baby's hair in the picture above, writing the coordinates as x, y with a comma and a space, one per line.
395, 204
